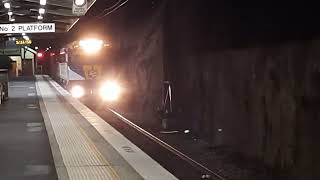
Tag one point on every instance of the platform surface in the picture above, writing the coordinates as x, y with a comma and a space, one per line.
84, 146
25, 152
45, 134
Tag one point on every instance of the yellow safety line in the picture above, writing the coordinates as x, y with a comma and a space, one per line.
114, 174
95, 149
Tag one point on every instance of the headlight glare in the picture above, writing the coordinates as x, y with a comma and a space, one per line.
91, 46
110, 91
77, 91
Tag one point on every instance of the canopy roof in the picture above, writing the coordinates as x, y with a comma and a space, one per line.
56, 11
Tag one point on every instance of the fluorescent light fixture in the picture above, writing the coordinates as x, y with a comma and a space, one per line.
10, 13
41, 10
43, 2
40, 17
7, 5
12, 38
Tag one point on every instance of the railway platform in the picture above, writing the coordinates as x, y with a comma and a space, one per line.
47, 134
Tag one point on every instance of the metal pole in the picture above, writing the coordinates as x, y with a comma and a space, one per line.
170, 97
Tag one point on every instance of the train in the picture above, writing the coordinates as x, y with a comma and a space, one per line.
85, 69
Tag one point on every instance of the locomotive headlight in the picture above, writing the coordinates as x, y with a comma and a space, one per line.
110, 91
91, 46
77, 91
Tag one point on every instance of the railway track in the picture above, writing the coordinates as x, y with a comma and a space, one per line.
178, 163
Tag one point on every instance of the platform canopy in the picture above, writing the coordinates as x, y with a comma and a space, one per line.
27, 11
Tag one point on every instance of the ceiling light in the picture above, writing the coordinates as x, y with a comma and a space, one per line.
43, 2
23, 34
41, 11
12, 19
26, 38
40, 17
7, 5
10, 13
79, 2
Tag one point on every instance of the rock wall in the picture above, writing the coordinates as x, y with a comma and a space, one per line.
241, 79
139, 55
254, 95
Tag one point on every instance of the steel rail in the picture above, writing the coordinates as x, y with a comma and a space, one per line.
168, 147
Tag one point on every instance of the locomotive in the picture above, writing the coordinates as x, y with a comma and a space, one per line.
84, 68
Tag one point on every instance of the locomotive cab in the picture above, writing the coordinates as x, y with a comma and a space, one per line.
84, 69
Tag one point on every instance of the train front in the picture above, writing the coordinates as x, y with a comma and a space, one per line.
92, 68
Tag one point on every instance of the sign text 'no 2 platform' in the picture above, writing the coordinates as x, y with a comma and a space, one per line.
27, 28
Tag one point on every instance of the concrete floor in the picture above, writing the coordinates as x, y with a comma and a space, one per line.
24, 146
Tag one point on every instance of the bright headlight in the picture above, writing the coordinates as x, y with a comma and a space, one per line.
77, 91
110, 91
91, 46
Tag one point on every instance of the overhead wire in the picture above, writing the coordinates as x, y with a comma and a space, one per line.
111, 7
120, 5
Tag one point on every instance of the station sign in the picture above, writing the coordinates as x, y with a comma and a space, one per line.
15, 51
27, 28
79, 7
23, 42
